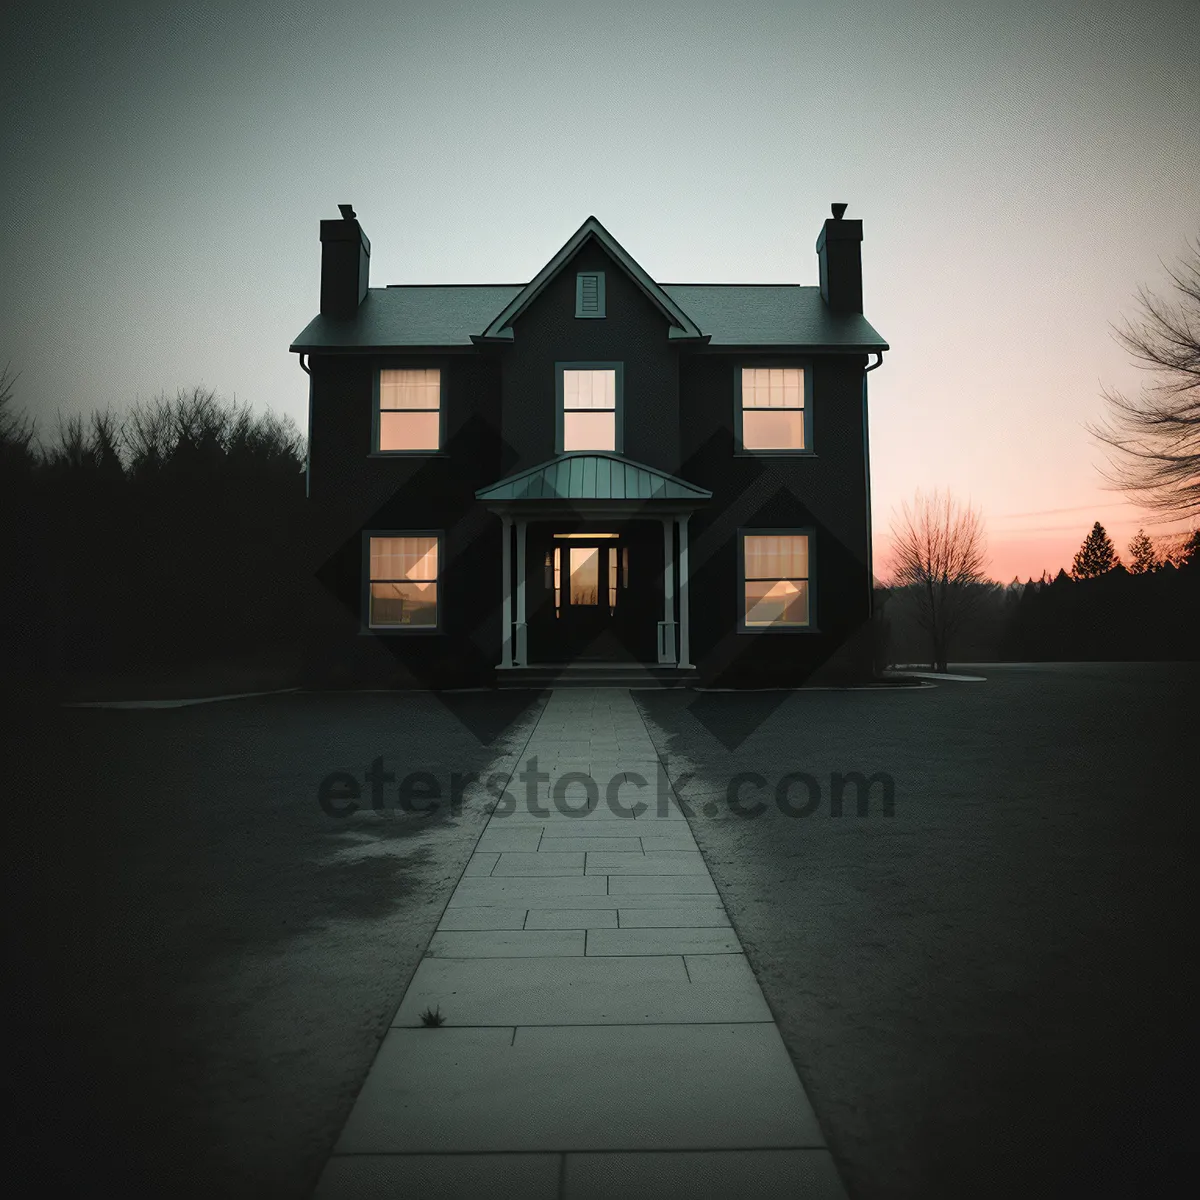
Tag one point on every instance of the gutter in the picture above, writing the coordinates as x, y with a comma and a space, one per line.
867, 472
308, 444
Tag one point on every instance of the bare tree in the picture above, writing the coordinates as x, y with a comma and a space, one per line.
17, 431
1155, 438
938, 554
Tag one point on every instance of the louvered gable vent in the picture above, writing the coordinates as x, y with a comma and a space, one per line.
589, 294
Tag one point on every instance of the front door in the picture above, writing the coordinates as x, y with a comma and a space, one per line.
594, 596
586, 587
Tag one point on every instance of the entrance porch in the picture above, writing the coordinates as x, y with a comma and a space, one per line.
594, 567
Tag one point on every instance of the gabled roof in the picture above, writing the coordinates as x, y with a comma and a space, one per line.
592, 475
729, 314
681, 323
773, 314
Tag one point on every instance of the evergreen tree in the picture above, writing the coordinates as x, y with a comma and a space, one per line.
1141, 554
1096, 556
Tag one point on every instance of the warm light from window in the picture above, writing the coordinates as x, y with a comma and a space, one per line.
589, 410
776, 579
773, 408
585, 575
409, 409
403, 581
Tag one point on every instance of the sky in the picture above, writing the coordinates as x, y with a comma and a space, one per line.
1020, 169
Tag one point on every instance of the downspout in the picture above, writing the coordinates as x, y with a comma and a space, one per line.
867, 472
308, 442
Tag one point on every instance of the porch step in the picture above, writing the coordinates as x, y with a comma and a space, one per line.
595, 674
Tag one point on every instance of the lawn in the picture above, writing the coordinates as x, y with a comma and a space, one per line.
985, 993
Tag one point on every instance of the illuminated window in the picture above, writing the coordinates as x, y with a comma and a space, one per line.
409, 416
589, 402
775, 580
585, 575
403, 582
772, 411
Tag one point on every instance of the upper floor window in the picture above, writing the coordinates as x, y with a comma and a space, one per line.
772, 410
409, 416
589, 407
775, 580
589, 294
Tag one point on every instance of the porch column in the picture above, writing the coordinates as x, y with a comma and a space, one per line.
684, 647
506, 607
520, 658
666, 627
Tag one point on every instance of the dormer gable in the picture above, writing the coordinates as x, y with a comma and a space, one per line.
681, 326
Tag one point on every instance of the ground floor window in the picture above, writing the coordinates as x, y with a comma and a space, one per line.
402, 584
775, 578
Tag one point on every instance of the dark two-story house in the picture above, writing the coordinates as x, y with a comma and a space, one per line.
594, 473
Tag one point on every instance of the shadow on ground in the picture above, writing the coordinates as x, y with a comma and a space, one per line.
202, 960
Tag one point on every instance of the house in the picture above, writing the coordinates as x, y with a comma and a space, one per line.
594, 471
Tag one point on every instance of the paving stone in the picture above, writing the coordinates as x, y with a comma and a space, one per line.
596, 1087
502, 838
626, 941
571, 918
541, 863
640, 885
480, 864
386, 1176
658, 841
627, 832
584, 991
493, 917
631, 844
471, 893
729, 1174
507, 943
666, 862
675, 916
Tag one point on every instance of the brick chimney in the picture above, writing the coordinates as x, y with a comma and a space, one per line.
345, 265
839, 252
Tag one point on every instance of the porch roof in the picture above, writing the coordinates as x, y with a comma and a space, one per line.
593, 475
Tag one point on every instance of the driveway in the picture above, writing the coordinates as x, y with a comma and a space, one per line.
203, 961
985, 993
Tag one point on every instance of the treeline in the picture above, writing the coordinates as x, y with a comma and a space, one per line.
1117, 615
175, 532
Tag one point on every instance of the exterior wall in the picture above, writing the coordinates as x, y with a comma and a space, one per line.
826, 491
352, 491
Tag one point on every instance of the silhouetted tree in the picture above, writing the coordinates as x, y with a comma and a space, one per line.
1155, 438
1181, 549
1096, 556
17, 431
938, 554
86, 448
1142, 555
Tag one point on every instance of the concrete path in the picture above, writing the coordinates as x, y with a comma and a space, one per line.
604, 1034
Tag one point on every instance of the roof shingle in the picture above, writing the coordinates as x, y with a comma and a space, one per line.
731, 314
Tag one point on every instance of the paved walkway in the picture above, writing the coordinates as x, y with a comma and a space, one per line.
604, 1034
